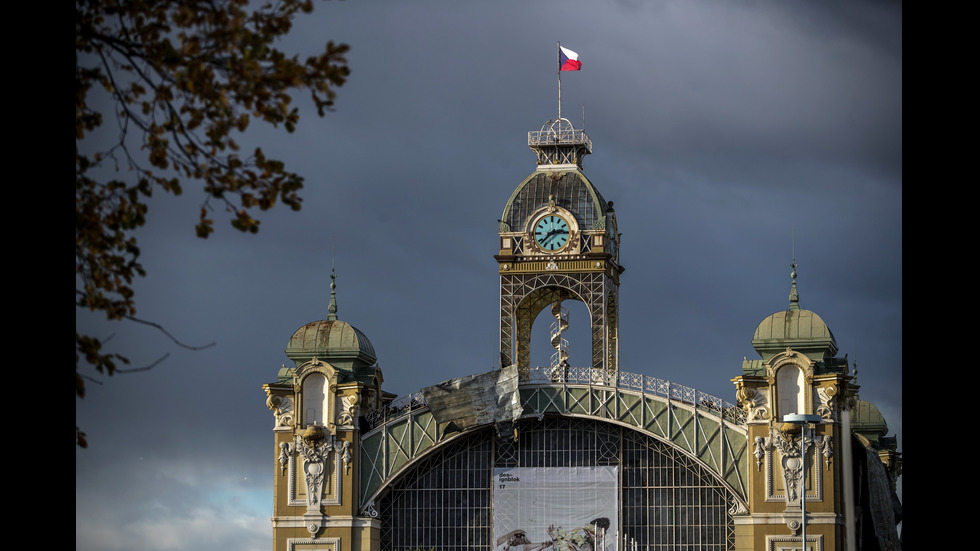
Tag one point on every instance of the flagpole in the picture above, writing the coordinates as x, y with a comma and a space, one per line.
559, 80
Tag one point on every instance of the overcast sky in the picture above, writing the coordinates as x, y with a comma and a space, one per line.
719, 129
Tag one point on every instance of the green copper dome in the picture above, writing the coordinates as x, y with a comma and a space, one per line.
332, 341
867, 420
796, 329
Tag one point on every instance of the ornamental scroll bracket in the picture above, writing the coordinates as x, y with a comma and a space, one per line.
282, 409
826, 408
348, 411
736, 508
755, 402
370, 509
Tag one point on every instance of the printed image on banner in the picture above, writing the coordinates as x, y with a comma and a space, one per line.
555, 508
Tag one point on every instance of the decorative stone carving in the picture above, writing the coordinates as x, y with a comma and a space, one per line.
761, 445
285, 451
826, 448
791, 461
754, 402
826, 407
315, 453
343, 448
348, 411
282, 409
369, 404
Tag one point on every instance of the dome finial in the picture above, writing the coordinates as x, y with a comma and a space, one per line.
332, 309
794, 297
855, 363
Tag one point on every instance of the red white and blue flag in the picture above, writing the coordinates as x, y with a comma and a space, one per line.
568, 60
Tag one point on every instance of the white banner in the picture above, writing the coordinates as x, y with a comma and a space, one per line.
555, 508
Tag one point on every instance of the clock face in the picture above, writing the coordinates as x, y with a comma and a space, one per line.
551, 232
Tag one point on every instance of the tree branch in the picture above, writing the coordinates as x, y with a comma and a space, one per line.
147, 367
164, 331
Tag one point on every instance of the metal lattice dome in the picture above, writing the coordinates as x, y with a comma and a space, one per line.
571, 190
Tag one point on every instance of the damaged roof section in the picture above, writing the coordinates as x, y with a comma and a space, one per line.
476, 400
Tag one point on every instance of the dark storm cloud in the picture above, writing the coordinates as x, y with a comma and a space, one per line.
719, 130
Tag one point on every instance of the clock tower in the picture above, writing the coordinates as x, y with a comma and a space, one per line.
558, 242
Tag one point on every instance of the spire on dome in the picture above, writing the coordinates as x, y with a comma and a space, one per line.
794, 297
855, 371
332, 308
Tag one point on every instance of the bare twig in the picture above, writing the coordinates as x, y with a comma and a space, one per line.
164, 331
145, 368
91, 379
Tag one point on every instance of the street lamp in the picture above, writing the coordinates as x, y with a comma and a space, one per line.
802, 419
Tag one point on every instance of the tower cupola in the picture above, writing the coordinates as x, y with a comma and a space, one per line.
558, 241
334, 341
794, 328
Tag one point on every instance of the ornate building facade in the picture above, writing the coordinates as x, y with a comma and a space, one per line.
576, 457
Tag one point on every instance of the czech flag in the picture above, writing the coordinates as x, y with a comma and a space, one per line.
568, 60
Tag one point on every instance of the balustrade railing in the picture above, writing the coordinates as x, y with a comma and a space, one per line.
645, 384
559, 137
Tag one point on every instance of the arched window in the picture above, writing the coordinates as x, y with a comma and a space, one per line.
789, 389
314, 399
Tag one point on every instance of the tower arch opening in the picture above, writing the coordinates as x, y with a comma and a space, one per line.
575, 335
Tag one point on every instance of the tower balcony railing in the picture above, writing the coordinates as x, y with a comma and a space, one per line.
565, 136
644, 384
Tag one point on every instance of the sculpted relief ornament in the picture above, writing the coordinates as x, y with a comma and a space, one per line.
282, 409
754, 402
791, 459
826, 407
343, 448
348, 411
761, 447
315, 453
285, 451
826, 449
